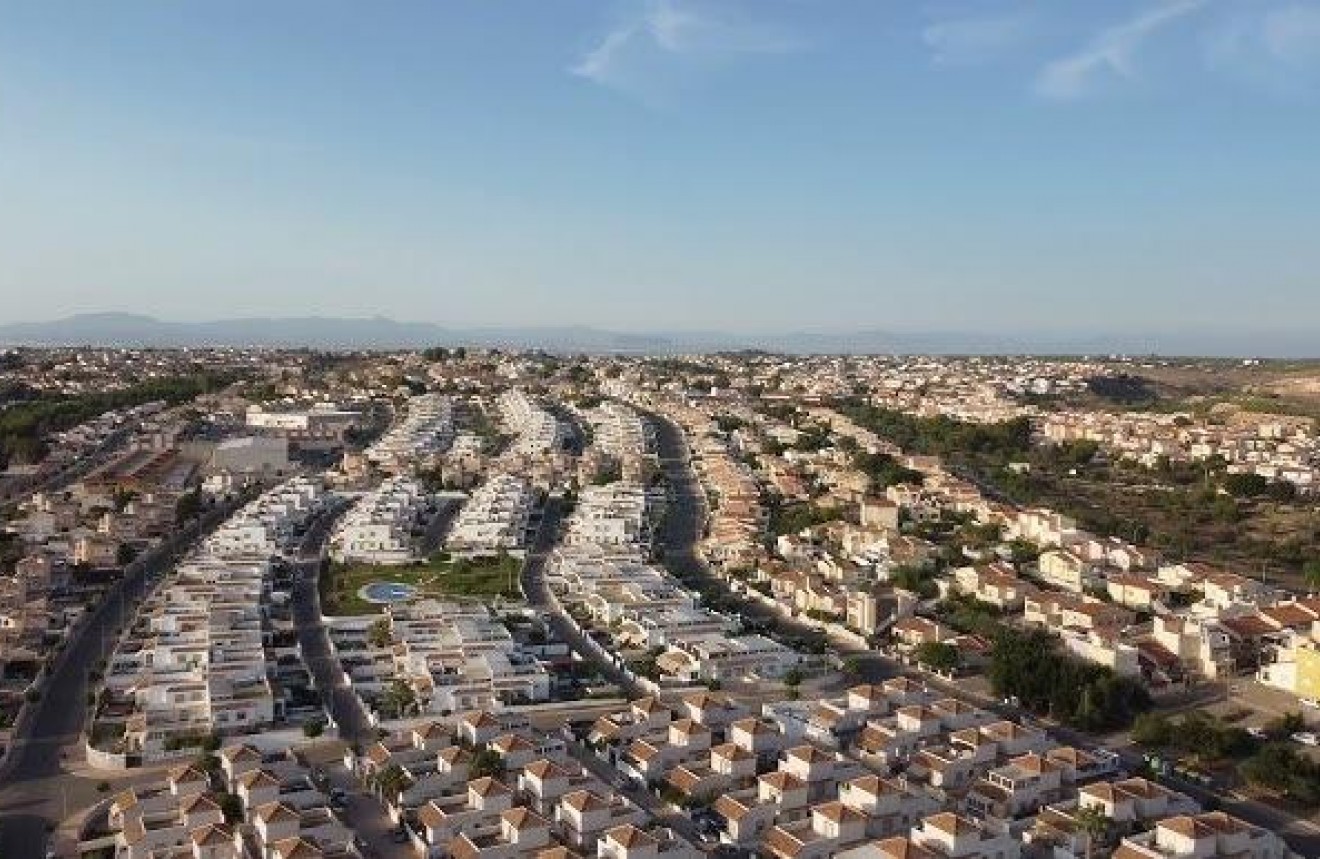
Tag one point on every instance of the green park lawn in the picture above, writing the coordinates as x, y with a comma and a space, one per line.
440, 576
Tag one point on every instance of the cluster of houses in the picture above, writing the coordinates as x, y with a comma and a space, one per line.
622, 446
212, 650
1275, 447
382, 525
117, 509
1107, 600
891, 771
601, 574
895, 770
488, 784
615, 514
451, 658
278, 809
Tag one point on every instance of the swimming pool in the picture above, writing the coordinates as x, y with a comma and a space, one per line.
387, 592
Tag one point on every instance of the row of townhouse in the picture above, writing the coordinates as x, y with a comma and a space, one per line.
643, 608
622, 444
426, 428
452, 657
92, 436
619, 514
495, 518
316, 426
381, 526
212, 649
193, 662
31, 620
271, 523
536, 429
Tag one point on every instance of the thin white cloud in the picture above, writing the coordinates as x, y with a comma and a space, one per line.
597, 62
672, 36
968, 41
1112, 51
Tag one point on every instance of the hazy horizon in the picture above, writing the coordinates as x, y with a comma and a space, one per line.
121, 329
634, 165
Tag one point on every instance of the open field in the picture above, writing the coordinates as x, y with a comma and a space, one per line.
1277, 387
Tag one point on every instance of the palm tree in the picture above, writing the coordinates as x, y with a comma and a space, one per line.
391, 782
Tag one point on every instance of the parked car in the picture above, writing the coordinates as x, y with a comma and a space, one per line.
1306, 738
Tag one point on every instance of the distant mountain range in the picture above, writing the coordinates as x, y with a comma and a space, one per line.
126, 329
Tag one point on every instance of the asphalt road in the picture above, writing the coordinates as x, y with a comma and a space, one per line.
685, 521
538, 596
37, 791
438, 528
314, 640
364, 813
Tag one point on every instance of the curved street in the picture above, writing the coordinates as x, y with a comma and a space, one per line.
538, 595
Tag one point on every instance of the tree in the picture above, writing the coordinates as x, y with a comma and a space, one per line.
188, 506
793, 678
313, 728
399, 699
1152, 730
487, 762
1311, 572
391, 782
1083, 694
231, 807
379, 633
1094, 823
938, 656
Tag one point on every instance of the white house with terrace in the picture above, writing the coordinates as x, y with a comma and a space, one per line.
380, 527
495, 518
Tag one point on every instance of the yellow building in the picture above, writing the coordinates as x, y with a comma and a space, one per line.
1308, 672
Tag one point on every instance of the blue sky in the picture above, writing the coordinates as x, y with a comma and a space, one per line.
750, 166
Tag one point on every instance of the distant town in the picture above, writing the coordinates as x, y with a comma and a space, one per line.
466, 602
